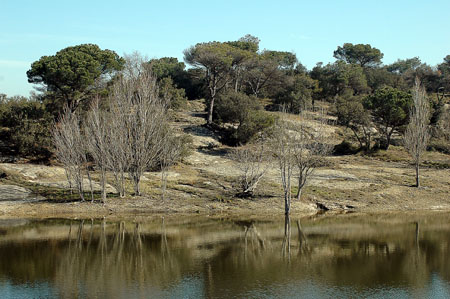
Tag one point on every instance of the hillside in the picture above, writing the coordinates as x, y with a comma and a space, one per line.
205, 183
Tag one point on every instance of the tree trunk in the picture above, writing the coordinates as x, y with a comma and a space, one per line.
122, 185
388, 137
300, 185
286, 246
90, 185
137, 191
80, 189
213, 93
299, 193
103, 182
287, 203
417, 175
210, 111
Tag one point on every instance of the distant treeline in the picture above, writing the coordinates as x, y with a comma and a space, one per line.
239, 81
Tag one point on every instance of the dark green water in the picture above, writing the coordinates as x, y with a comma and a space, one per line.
345, 256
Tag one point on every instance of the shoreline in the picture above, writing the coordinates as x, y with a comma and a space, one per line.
147, 207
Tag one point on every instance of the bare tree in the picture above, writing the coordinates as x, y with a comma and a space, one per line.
115, 152
69, 148
299, 147
253, 163
96, 140
310, 148
417, 133
286, 245
139, 120
284, 153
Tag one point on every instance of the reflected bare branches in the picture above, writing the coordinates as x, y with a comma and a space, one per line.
96, 258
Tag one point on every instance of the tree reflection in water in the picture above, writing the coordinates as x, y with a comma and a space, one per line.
226, 258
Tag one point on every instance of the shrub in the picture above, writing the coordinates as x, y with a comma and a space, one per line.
27, 124
344, 148
244, 114
177, 96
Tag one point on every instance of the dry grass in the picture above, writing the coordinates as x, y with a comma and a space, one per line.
205, 184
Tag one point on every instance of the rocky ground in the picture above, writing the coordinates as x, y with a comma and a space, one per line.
205, 184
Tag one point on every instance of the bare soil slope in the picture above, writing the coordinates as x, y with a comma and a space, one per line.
205, 183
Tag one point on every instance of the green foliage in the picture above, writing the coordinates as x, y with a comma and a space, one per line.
167, 67
389, 107
195, 84
352, 114
70, 74
262, 75
380, 77
219, 61
334, 79
26, 126
234, 107
285, 60
401, 66
344, 148
437, 110
192, 80
245, 115
444, 70
177, 96
361, 54
215, 57
429, 76
297, 93
248, 43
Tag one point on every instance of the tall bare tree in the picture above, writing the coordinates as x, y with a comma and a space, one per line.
417, 133
310, 147
115, 153
96, 140
300, 147
141, 121
69, 148
284, 154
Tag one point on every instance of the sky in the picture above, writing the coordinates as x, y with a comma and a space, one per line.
311, 29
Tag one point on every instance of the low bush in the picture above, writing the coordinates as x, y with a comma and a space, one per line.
345, 148
26, 126
177, 96
243, 114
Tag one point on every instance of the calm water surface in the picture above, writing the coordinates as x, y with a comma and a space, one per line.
343, 256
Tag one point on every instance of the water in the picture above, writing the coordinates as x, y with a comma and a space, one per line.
340, 256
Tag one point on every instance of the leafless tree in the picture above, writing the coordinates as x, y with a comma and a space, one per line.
96, 140
417, 133
115, 152
140, 122
310, 148
284, 153
253, 162
286, 245
299, 147
69, 148
129, 136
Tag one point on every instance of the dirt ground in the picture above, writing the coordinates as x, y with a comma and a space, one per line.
205, 184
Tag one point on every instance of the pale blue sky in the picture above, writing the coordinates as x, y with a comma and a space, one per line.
311, 29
